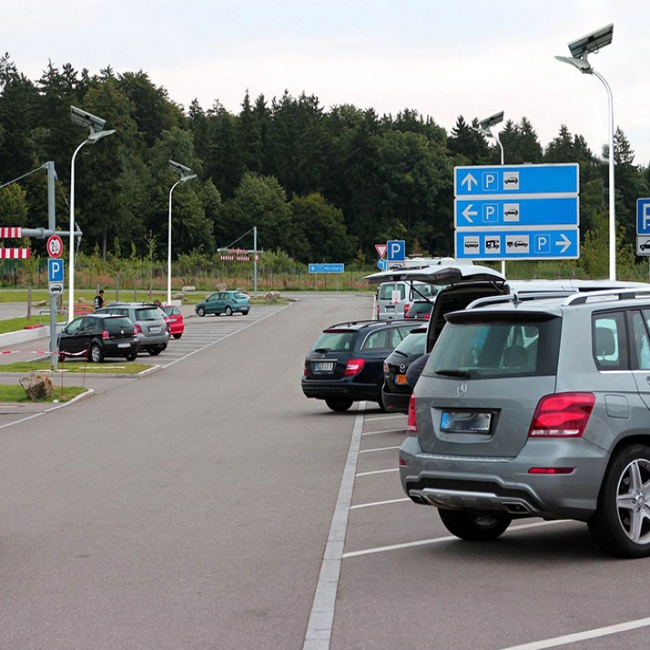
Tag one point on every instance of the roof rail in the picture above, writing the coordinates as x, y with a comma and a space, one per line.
355, 322
607, 294
516, 297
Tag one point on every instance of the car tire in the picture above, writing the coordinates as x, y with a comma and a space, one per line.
201, 311
154, 352
473, 526
621, 525
132, 357
339, 404
177, 336
96, 354
244, 313
228, 310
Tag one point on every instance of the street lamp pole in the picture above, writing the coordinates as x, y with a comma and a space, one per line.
185, 175
97, 132
580, 49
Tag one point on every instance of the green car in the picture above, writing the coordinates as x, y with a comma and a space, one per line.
224, 302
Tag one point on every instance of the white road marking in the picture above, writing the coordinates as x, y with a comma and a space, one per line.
379, 503
368, 451
375, 433
379, 471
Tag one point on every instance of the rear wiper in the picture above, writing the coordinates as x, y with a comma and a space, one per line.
454, 373
321, 350
400, 352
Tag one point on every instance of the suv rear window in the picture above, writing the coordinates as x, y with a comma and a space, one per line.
498, 347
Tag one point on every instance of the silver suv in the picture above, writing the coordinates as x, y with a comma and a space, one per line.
150, 326
534, 407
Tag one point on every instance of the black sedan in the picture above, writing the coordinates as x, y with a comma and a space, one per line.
95, 336
396, 390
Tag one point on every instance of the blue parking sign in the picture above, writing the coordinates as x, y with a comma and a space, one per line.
54, 270
396, 251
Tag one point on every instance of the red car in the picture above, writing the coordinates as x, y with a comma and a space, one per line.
175, 320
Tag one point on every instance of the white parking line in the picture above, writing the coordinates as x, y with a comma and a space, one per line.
379, 503
369, 451
386, 417
374, 433
582, 636
437, 540
379, 471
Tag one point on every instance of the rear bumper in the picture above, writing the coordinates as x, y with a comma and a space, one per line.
323, 389
396, 402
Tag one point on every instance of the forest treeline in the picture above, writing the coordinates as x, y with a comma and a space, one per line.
319, 185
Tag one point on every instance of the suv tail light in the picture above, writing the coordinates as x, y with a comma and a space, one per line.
564, 415
411, 421
353, 367
137, 329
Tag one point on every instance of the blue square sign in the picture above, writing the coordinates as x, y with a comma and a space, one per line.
396, 250
643, 216
54, 270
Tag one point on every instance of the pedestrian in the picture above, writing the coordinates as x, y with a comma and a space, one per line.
99, 299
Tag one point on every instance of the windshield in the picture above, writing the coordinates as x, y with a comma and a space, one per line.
496, 347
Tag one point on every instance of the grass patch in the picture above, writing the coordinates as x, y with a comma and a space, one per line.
17, 394
17, 324
79, 366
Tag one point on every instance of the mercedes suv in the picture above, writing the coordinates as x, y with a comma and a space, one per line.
532, 407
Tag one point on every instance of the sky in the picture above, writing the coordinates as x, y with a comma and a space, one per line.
442, 58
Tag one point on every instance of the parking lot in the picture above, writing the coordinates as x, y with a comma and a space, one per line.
211, 505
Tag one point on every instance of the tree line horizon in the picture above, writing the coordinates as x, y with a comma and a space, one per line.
319, 185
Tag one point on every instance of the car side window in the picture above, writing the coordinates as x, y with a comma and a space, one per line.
375, 341
73, 326
609, 341
641, 341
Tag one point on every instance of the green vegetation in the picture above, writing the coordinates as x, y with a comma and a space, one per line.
78, 366
61, 394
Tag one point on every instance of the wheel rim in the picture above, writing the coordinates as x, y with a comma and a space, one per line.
633, 501
96, 354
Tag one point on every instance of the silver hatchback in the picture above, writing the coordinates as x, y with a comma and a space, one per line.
537, 408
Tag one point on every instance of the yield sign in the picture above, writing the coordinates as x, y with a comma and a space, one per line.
381, 249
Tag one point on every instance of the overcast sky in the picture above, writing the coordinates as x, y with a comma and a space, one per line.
443, 58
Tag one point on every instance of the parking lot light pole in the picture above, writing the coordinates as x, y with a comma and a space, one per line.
185, 175
97, 132
592, 43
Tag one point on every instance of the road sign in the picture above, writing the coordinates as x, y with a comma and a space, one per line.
54, 246
56, 289
520, 244
517, 180
382, 264
55, 270
643, 245
396, 250
643, 216
381, 249
476, 213
326, 268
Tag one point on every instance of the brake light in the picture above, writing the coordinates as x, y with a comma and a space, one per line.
137, 329
353, 367
105, 334
564, 415
304, 370
411, 421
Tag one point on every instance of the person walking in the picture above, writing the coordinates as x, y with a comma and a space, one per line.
99, 299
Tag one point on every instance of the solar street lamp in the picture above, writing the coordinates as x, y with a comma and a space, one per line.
485, 128
96, 127
185, 174
580, 49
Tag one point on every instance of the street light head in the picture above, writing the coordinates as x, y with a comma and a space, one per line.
189, 177
582, 64
592, 43
83, 118
179, 169
98, 135
491, 121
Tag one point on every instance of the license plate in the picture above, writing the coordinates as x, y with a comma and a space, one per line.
154, 329
465, 422
389, 307
323, 366
123, 345
400, 380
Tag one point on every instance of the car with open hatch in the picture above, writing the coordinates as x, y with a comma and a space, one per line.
150, 327
224, 302
97, 336
345, 364
537, 406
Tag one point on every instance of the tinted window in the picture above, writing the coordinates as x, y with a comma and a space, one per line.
118, 324
609, 341
497, 348
335, 341
641, 340
375, 341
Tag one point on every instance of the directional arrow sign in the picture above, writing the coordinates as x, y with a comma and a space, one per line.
531, 244
517, 212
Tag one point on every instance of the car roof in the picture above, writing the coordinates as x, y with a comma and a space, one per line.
376, 324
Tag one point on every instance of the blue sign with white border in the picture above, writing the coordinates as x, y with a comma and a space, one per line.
532, 244
55, 270
643, 216
515, 180
476, 213
396, 250
326, 268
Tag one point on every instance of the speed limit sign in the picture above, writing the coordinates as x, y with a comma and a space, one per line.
54, 246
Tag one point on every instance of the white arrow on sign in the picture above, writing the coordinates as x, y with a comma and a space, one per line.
468, 180
565, 243
468, 212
